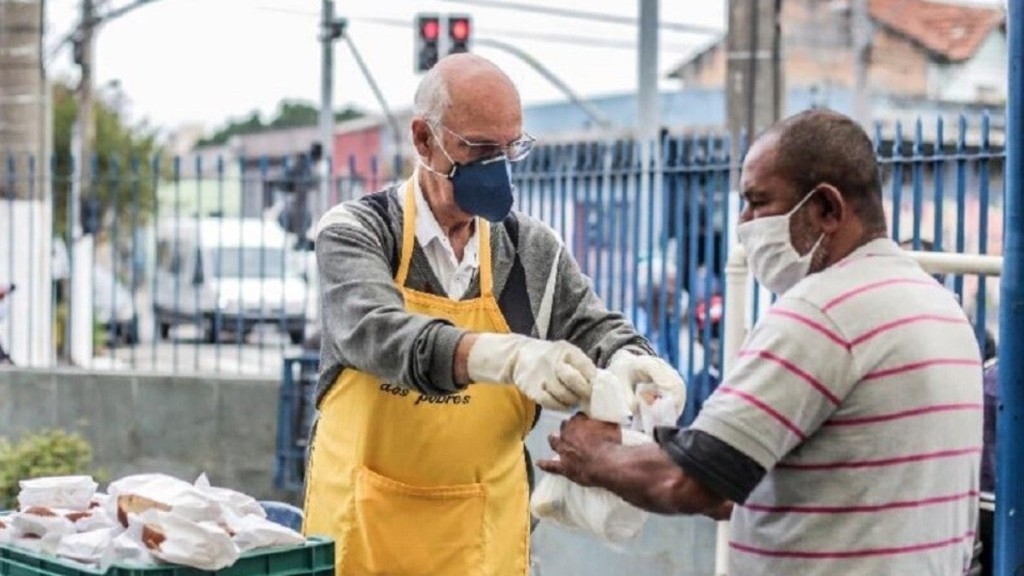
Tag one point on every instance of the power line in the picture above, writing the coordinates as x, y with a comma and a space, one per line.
109, 16
593, 16
555, 38
596, 115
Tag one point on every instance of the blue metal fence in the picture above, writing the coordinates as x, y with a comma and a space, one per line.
652, 235
655, 241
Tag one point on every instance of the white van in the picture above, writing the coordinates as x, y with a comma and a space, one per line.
227, 274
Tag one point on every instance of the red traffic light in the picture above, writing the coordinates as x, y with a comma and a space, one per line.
459, 29
430, 28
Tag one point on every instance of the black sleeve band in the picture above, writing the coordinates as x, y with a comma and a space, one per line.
714, 464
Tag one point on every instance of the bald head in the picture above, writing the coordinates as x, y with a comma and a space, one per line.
825, 147
466, 110
465, 87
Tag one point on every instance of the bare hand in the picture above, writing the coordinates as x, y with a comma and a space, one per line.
579, 445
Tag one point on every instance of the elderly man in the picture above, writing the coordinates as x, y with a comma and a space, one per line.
848, 433
448, 320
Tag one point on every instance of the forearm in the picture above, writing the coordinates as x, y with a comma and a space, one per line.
460, 369
646, 477
365, 324
579, 316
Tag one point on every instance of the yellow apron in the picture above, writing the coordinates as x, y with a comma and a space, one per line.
415, 485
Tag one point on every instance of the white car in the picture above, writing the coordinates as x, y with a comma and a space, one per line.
227, 274
114, 308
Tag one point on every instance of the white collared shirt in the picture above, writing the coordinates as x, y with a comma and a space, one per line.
455, 276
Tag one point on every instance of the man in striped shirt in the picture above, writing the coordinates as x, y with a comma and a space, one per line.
849, 431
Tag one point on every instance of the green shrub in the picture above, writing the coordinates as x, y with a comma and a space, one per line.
46, 453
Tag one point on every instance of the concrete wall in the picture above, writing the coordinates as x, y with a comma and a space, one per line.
224, 426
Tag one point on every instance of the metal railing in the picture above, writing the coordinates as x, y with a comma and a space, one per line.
655, 238
203, 265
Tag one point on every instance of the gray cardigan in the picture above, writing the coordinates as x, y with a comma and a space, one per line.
540, 290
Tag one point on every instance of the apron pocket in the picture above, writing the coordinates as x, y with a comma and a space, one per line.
417, 531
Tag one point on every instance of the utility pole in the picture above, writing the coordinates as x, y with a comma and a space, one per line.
754, 84
330, 30
25, 207
81, 241
647, 70
84, 54
754, 101
862, 34
649, 121
22, 97
1009, 521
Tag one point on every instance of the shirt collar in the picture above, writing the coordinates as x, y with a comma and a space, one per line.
428, 230
877, 247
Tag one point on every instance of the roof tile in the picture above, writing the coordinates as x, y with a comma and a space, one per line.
954, 32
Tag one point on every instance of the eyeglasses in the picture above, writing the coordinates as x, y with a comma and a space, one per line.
515, 150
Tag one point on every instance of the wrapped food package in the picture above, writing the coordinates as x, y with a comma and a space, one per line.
67, 492
142, 520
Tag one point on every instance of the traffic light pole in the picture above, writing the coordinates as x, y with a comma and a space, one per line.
396, 132
327, 37
589, 109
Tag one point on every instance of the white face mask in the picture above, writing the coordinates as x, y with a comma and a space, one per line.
3, 309
774, 261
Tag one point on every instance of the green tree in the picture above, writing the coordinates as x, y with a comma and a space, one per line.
289, 113
299, 113
295, 113
248, 125
45, 453
124, 159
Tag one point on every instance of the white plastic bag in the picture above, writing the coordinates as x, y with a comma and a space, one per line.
653, 410
597, 510
594, 510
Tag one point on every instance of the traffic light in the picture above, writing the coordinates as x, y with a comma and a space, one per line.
428, 37
459, 32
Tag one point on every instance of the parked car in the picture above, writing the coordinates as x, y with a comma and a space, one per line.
113, 308
227, 274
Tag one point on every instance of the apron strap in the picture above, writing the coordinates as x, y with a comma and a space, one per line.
409, 239
484, 250
408, 232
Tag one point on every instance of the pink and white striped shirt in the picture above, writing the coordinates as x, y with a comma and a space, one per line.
860, 392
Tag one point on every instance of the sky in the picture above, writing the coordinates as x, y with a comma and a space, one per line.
203, 61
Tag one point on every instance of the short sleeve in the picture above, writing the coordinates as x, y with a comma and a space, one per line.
792, 373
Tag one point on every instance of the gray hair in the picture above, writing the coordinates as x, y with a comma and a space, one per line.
431, 99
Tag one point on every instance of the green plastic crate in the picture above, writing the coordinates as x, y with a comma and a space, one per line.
316, 558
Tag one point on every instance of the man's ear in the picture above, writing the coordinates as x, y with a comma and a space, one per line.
421, 136
833, 210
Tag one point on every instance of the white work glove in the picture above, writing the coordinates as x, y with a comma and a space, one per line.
556, 375
635, 370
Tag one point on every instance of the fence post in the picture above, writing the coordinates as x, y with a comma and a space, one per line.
1009, 528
